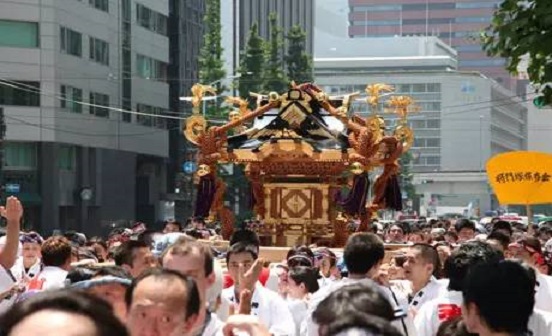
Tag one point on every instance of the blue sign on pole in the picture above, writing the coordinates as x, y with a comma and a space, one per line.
13, 188
189, 167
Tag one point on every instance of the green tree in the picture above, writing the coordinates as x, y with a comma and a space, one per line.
211, 65
299, 63
406, 176
252, 64
524, 29
274, 76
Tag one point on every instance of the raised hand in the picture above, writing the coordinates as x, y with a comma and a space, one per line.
13, 211
248, 278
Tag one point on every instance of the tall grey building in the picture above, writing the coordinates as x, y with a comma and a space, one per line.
186, 29
464, 118
237, 17
66, 69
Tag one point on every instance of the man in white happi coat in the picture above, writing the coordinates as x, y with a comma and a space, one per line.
422, 262
449, 304
271, 309
363, 254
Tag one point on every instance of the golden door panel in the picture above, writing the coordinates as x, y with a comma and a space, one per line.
296, 203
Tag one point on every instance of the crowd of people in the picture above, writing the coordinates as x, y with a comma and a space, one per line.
449, 278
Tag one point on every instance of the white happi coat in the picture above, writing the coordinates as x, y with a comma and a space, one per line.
433, 313
50, 277
7, 281
543, 292
398, 301
271, 309
18, 270
431, 291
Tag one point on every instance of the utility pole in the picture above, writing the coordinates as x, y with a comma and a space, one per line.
2, 137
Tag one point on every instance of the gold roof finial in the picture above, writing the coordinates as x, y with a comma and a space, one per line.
374, 92
198, 91
402, 106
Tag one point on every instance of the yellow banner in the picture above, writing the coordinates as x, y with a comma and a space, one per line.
521, 177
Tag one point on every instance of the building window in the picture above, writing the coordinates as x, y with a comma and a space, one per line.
101, 100
469, 48
433, 123
492, 62
20, 94
150, 68
67, 157
151, 20
19, 34
146, 120
70, 42
102, 5
20, 156
473, 19
71, 99
376, 8
470, 5
99, 51
433, 142
433, 160
433, 87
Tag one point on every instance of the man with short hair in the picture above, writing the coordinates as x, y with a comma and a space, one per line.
272, 310
421, 264
194, 259
491, 307
162, 302
172, 226
62, 312
134, 256
363, 255
56, 258
465, 229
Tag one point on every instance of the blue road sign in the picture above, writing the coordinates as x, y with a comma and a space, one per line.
13, 188
189, 167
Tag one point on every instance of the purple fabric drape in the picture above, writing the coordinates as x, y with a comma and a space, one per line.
205, 194
355, 202
393, 194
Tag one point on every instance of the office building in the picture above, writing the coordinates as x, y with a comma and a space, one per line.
464, 118
457, 22
66, 68
186, 27
237, 17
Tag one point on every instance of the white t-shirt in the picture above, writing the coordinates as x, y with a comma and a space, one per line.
398, 301
543, 294
214, 327
433, 313
431, 291
430, 316
271, 309
51, 277
18, 269
6, 283
298, 309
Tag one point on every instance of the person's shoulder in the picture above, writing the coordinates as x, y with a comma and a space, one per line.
540, 322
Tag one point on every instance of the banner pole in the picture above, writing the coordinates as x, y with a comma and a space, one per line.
529, 219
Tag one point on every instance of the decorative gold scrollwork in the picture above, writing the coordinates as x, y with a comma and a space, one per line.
196, 125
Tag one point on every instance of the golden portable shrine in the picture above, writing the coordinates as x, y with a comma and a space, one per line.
298, 148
